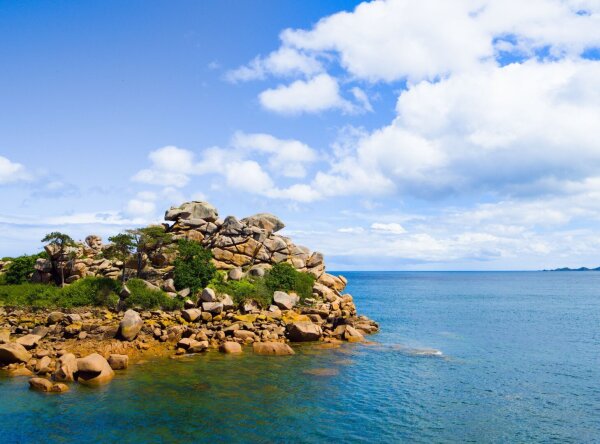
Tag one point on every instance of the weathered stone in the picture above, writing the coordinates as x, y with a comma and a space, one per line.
43, 365
230, 347
118, 362
13, 352
184, 293
353, 335
212, 307
192, 210
40, 384
72, 318
304, 332
208, 295
94, 370
227, 302
40, 331
272, 348
169, 286
244, 335
285, 301
235, 274
250, 306
20, 371
191, 315
66, 368
265, 221
130, 325
4, 336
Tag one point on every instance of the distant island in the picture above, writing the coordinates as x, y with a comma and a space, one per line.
575, 269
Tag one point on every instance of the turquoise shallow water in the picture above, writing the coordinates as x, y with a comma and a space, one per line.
520, 363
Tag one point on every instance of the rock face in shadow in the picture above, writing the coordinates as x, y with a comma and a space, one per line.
12, 353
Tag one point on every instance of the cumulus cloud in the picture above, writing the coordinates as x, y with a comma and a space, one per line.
170, 167
285, 157
11, 172
315, 95
283, 62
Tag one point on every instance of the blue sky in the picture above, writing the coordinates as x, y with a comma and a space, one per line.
389, 135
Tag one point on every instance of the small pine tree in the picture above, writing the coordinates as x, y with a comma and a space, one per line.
61, 241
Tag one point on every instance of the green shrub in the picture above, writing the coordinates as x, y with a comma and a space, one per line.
193, 266
3, 279
284, 277
146, 298
240, 291
21, 268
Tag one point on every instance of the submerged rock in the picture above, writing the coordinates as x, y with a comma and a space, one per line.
272, 348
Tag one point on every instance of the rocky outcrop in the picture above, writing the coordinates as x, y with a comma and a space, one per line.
13, 352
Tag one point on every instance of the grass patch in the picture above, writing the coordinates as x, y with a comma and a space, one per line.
85, 292
282, 277
147, 299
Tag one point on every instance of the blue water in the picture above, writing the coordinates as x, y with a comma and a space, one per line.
520, 363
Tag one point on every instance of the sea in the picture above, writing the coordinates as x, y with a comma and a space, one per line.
490, 357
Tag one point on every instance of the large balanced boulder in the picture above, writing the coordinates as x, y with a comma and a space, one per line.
13, 352
285, 301
94, 370
303, 332
130, 325
272, 348
194, 210
265, 221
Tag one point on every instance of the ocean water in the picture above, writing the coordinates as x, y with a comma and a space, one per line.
518, 361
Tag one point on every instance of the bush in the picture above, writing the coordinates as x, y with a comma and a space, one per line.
284, 277
143, 297
240, 291
193, 266
21, 268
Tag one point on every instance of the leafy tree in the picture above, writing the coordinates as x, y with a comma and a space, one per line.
122, 248
145, 240
21, 268
61, 242
193, 266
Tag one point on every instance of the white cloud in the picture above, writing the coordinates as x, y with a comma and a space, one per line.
285, 157
391, 228
351, 230
248, 176
11, 172
171, 166
310, 96
141, 208
283, 62
395, 39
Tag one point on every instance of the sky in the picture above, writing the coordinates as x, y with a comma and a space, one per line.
389, 135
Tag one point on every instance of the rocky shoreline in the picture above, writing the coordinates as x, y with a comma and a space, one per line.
88, 344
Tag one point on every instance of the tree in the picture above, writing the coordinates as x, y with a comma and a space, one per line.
122, 248
148, 239
21, 268
193, 266
59, 256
